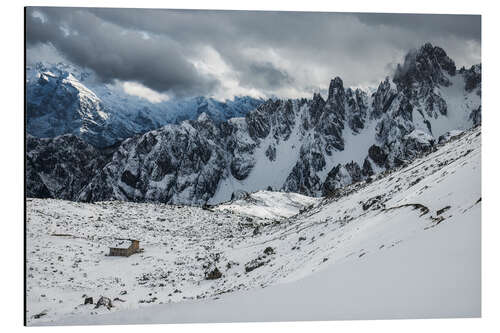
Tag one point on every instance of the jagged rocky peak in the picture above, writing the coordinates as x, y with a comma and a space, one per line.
336, 90
383, 97
350, 104
257, 120
357, 107
317, 98
331, 120
472, 77
276, 117
428, 64
59, 71
58, 103
316, 106
311, 146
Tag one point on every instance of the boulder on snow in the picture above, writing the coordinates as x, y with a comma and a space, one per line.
40, 315
256, 231
104, 301
269, 250
255, 263
213, 274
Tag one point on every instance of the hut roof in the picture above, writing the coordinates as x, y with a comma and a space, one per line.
121, 244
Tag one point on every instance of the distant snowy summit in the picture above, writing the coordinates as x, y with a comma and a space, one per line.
309, 146
65, 99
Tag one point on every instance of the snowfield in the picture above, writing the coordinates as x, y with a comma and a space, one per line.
269, 205
405, 244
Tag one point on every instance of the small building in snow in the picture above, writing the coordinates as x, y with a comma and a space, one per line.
125, 248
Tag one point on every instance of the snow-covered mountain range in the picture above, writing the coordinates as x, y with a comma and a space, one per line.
309, 146
66, 99
405, 244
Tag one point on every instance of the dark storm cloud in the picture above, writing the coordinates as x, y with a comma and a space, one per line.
265, 75
114, 53
272, 52
461, 26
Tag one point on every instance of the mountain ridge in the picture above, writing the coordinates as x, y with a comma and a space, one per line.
309, 146
65, 99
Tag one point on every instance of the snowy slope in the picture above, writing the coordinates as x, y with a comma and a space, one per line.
459, 102
409, 282
406, 244
269, 205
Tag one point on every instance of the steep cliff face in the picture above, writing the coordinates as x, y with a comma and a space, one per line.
60, 167
174, 164
310, 146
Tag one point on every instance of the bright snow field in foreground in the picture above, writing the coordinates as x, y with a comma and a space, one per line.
406, 245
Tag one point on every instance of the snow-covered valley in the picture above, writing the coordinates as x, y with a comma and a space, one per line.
404, 243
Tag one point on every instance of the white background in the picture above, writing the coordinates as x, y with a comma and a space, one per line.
11, 163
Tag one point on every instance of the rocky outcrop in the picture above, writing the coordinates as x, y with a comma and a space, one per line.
475, 116
304, 176
472, 78
382, 98
357, 106
331, 121
174, 164
340, 176
60, 167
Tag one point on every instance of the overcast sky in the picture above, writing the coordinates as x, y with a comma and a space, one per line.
177, 53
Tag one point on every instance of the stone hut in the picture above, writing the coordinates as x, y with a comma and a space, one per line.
125, 248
